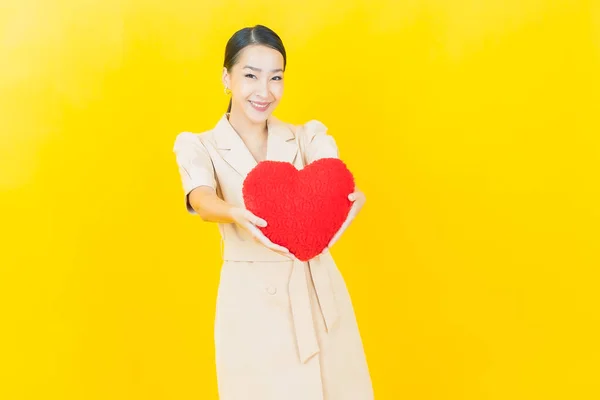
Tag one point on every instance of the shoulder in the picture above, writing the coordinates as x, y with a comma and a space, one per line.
316, 142
309, 129
187, 139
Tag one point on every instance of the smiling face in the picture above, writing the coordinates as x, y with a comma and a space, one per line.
256, 82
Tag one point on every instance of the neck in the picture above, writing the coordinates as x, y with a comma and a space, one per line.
246, 128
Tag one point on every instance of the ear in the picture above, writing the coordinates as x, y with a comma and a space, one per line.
225, 78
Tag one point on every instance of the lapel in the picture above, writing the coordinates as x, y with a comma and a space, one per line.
281, 145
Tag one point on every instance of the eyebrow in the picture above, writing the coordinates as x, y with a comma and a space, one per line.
260, 70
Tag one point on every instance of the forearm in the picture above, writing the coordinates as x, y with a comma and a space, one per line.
209, 206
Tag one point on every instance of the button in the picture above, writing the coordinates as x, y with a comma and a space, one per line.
271, 290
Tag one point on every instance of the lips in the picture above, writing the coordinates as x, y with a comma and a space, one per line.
259, 106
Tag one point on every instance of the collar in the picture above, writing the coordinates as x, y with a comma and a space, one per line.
281, 144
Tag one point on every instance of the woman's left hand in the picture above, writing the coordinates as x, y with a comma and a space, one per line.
358, 200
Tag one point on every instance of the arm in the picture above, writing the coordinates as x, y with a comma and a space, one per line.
210, 207
321, 145
199, 183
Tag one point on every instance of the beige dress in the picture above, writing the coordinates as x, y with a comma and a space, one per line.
284, 330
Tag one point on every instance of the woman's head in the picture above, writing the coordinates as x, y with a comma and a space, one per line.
255, 61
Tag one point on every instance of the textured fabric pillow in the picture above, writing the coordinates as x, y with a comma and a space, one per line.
304, 208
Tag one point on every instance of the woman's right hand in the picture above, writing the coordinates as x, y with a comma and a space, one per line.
251, 224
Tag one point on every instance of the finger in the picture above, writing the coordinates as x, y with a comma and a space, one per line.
256, 220
258, 235
356, 207
272, 245
289, 255
278, 248
266, 242
357, 196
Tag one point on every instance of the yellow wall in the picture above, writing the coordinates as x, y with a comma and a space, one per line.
474, 132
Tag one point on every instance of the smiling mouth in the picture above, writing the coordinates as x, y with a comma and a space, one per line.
259, 106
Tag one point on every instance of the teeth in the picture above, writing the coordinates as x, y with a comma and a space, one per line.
258, 105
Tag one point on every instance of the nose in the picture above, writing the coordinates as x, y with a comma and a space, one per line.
262, 89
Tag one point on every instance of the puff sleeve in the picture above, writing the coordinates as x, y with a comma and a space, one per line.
194, 164
318, 143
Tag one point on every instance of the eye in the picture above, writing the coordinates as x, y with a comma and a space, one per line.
250, 76
278, 78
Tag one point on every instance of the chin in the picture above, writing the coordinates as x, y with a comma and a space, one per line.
256, 116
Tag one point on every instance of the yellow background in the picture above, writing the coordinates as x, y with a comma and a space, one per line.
472, 127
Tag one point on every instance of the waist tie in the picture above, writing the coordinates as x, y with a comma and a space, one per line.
299, 294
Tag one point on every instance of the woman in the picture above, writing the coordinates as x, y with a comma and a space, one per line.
284, 329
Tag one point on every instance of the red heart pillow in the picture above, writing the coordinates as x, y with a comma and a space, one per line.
304, 208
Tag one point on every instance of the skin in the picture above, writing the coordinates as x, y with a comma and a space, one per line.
256, 77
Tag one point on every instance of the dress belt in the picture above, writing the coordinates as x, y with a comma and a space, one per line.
299, 293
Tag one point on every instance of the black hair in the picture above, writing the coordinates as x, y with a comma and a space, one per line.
255, 35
